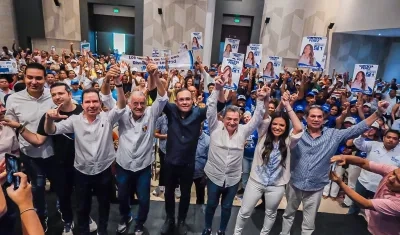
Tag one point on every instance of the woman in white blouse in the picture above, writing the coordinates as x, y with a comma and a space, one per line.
271, 166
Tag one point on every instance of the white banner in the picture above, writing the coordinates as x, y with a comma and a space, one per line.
85, 47
183, 47
182, 60
238, 56
253, 56
364, 78
312, 52
231, 69
272, 67
155, 52
231, 45
165, 52
8, 67
197, 40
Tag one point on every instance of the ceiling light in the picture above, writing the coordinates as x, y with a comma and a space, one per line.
379, 34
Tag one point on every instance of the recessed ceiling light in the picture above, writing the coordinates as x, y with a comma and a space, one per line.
379, 34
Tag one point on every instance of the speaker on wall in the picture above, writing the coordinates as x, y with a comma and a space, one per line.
330, 26
267, 20
57, 3
160, 11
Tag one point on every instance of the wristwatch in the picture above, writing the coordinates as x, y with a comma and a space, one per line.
120, 85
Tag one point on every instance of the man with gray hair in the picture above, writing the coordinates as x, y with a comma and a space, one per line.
224, 165
134, 155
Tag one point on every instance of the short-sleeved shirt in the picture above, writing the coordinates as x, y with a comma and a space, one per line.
385, 218
162, 126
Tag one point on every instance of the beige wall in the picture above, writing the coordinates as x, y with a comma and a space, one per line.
61, 24
179, 19
7, 23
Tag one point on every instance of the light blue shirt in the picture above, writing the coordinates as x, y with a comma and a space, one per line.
201, 155
270, 173
311, 157
77, 95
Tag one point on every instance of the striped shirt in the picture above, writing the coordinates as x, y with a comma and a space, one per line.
311, 157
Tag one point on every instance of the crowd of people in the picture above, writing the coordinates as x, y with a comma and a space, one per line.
88, 124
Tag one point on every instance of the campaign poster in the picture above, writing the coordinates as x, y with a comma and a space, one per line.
155, 52
230, 71
183, 47
197, 40
231, 45
182, 60
165, 52
85, 47
364, 78
312, 52
238, 56
8, 67
272, 67
253, 56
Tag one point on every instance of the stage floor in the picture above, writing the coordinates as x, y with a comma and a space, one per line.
326, 223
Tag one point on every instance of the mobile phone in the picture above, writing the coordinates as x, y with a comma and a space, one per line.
333, 166
13, 165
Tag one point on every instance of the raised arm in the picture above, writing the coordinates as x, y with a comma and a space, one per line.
212, 113
297, 126
259, 112
33, 138
49, 125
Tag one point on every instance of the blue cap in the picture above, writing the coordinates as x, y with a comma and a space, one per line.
146, 75
299, 108
353, 102
341, 149
213, 69
310, 93
326, 108
74, 82
246, 79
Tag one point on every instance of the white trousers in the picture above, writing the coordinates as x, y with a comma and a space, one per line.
332, 189
353, 172
311, 202
254, 191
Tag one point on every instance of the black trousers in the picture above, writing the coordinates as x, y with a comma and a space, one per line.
200, 184
161, 177
174, 174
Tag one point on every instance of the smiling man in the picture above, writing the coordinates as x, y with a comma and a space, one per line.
94, 150
27, 107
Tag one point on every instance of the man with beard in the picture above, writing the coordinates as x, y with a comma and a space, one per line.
94, 150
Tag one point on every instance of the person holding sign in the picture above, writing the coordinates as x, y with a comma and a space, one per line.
269, 70
307, 57
250, 61
228, 50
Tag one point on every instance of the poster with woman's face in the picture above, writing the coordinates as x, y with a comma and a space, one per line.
272, 67
312, 52
364, 77
231, 45
253, 56
197, 40
230, 72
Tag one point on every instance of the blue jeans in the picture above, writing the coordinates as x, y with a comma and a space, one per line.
246, 168
214, 192
101, 184
360, 189
139, 179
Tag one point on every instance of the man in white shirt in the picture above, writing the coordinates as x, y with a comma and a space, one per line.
386, 152
94, 150
224, 165
27, 107
134, 155
392, 99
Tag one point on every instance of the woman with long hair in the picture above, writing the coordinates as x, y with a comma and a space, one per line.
195, 43
250, 61
307, 57
269, 70
271, 166
359, 81
228, 50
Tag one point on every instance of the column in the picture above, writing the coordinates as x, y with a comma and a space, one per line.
208, 32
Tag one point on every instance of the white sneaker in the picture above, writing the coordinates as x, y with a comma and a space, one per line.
178, 192
157, 191
162, 188
92, 225
68, 229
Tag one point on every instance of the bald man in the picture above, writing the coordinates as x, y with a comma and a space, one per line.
134, 154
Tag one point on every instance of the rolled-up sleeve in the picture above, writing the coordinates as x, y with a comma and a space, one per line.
353, 131
108, 100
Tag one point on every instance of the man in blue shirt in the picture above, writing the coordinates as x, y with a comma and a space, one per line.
199, 179
248, 153
310, 165
113, 90
251, 102
76, 92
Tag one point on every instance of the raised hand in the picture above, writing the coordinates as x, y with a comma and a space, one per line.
219, 83
293, 97
23, 195
285, 99
54, 114
334, 177
113, 72
382, 106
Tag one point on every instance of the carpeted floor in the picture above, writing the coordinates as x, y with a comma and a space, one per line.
326, 224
